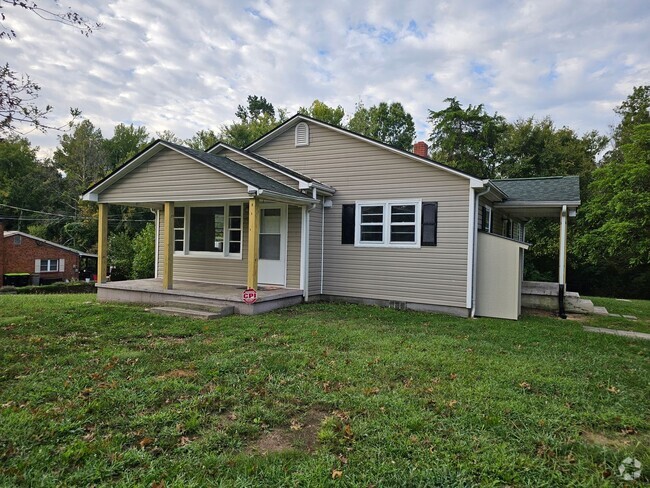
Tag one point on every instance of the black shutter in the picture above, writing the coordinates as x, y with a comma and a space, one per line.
484, 219
429, 223
347, 227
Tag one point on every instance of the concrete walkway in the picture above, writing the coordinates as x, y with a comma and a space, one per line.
624, 333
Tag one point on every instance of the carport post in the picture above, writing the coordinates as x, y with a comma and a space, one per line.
562, 270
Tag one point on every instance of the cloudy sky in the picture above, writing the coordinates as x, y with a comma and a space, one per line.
185, 66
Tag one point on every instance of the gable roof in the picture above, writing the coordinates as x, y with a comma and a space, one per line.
228, 167
11, 233
560, 189
304, 181
474, 181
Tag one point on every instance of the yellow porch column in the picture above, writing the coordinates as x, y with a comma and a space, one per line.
253, 242
168, 246
102, 243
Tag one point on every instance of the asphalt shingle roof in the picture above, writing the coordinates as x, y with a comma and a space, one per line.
550, 189
239, 171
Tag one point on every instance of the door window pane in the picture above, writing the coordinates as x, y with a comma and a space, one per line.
270, 221
270, 246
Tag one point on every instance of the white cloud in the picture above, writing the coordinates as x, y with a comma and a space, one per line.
185, 66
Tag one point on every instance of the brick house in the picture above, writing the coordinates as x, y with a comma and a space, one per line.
45, 261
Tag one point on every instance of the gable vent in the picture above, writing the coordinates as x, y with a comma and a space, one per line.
302, 134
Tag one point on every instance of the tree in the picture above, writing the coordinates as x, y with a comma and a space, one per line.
634, 111
27, 183
390, 124
18, 93
169, 136
530, 147
144, 253
255, 120
202, 140
618, 212
82, 157
467, 139
126, 142
120, 255
323, 112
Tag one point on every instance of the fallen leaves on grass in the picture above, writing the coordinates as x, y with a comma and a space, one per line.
337, 474
524, 385
145, 441
612, 389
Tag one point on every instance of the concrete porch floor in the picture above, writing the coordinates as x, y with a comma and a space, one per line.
150, 292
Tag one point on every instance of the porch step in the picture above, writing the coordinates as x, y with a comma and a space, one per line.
189, 313
205, 307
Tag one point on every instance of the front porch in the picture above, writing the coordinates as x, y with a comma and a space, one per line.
152, 292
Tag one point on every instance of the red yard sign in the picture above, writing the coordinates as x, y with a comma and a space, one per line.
249, 296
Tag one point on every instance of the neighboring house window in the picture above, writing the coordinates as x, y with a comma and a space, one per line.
49, 265
507, 228
18, 240
216, 230
486, 218
302, 134
517, 231
392, 224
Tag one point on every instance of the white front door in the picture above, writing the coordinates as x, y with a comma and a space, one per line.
273, 245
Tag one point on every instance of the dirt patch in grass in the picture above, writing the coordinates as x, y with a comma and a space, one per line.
607, 440
177, 373
301, 434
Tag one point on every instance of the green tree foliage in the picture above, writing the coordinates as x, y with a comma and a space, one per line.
618, 211
390, 124
255, 120
26, 182
144, 253
169, 136
323, 112
202, 140
634, 111
120, 255
537, 148
126, 142
467, 139
82, 157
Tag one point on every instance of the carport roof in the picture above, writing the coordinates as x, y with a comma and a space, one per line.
563, 190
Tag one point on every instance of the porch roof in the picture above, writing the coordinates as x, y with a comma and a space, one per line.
538, 197
256, 181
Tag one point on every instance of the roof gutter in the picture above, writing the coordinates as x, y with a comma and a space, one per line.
279, 196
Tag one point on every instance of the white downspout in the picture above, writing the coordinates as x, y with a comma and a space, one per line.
474, 250
304, 249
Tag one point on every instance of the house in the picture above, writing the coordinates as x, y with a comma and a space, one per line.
32, 260
311, 211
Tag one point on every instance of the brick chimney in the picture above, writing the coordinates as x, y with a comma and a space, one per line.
2, 254
421, 149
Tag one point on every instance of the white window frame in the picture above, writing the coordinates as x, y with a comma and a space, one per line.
301, 143
49, 266
226, 254
386, 224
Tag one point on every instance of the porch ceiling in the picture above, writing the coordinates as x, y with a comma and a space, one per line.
526, 212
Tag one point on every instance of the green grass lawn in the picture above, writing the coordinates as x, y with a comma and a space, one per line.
315, 395
638, 308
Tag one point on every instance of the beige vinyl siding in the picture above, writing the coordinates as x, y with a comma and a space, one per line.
260, 168
170, 176
359, 170
293, 246
229, 271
